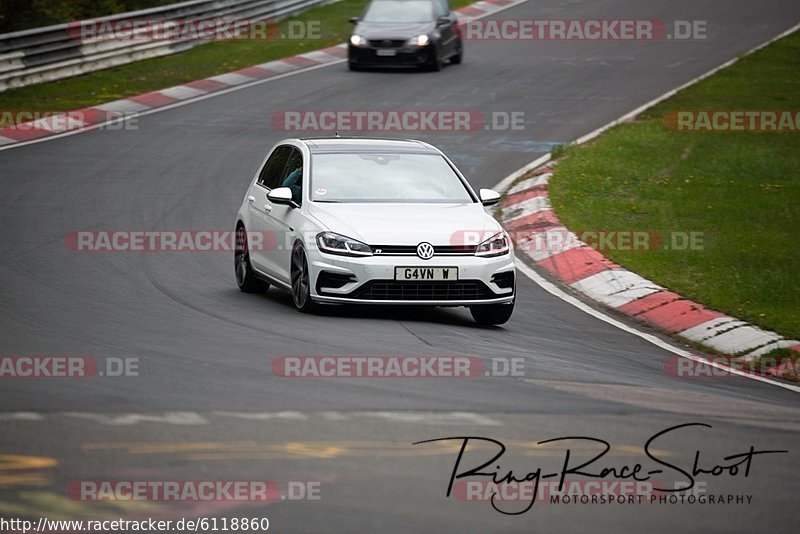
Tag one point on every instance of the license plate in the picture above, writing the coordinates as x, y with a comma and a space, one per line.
426, 273
386, 52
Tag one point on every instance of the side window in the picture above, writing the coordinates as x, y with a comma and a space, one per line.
292, 176
442, 8
271, 173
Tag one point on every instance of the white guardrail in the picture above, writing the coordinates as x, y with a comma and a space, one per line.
41, 55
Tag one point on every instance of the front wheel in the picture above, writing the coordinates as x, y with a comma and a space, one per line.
492, 314
245, 277
459, 56
301, 281
435, 62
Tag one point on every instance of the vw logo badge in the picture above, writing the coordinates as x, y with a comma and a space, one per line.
425, 251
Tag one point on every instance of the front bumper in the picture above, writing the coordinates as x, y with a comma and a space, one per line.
370, 280
405, 56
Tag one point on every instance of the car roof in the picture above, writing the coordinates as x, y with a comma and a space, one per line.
321, 145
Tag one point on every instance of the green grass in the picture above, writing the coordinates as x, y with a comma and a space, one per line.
742, 190
199, 62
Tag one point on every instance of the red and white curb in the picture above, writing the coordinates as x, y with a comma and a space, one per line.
528, 215
90, 118
86, 118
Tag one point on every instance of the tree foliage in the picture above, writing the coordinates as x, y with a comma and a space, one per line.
23, 14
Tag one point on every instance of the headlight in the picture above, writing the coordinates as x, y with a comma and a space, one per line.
497, 245
357, 40
341, 245
419, 40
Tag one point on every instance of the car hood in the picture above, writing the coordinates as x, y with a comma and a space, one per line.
406, 224
390, 30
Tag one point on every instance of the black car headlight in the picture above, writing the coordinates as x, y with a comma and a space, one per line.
419, 40
357, 40
497, 245
342, 245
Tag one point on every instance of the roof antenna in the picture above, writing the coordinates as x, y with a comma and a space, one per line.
336, 135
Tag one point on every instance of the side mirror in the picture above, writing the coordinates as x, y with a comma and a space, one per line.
354, 20
281, 195
443, 21
489, 197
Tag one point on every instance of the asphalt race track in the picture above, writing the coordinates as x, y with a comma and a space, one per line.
209, 406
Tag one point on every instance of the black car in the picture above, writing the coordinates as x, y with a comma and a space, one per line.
405, 33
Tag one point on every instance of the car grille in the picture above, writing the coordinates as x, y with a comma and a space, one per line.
411, 250
386, 43
418, 291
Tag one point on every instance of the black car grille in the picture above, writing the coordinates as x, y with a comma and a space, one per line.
411, 250
419, 291
386, 43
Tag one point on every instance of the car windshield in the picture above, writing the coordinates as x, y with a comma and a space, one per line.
405, 178
399, 11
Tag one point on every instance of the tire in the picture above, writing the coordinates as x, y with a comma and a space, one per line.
245, 277
435, 64
301, 281
353, 67
492, 314
459, 56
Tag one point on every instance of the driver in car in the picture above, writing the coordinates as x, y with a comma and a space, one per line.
295, 182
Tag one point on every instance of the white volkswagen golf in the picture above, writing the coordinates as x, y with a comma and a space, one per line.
373, 221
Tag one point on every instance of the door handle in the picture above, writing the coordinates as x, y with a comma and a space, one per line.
267, 208
251, 199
